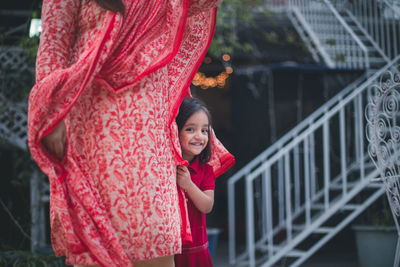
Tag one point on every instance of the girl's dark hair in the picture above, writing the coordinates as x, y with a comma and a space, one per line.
113, 5
188, 107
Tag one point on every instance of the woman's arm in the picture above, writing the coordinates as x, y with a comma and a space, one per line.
59, 23
59, 20
203, 200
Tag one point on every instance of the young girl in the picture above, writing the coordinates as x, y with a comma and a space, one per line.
197, 180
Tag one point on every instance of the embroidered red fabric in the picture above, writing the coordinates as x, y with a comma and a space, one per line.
117, 82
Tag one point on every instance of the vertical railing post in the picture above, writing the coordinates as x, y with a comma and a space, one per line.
264, 203
268, 199
369, 19
382, 30
313, 170
281, 192
288, 198
307, 181
296, 159
343, 157
388, 36
396, 33
327, 169
375, 18
231, 215
357, 131
250, 221
361, 136
363, 13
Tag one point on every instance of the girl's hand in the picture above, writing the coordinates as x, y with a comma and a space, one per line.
183, 177
203, 200
54, 142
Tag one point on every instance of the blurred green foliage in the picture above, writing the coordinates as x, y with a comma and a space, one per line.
30, 45
230, 14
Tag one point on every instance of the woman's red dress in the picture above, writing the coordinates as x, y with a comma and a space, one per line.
117, 82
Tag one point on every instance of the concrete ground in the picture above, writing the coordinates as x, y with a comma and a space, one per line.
320, 259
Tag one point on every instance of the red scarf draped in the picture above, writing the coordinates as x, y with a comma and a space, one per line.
123, 40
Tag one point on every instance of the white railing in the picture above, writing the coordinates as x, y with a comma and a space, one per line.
297, 181
380, 22
348, 34
394, 2
336, 41
15, 73
16, 76
13, 122
272, 150
288, 191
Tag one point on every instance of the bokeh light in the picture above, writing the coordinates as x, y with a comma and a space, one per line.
226, 57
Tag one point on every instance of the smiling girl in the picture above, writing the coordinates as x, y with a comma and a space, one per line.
197, 180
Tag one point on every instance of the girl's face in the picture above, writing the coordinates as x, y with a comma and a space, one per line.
193, 136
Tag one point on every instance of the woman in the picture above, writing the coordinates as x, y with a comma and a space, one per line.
109, 81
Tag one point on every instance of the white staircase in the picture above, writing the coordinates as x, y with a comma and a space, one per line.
338, 36
316, 179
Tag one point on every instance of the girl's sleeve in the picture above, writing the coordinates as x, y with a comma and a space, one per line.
208, 182
59, 21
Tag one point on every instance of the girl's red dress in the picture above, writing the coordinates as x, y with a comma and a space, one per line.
196, 253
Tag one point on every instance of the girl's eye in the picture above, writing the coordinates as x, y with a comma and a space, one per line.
189, 129
204, 130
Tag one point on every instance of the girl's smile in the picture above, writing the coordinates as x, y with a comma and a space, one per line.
193, 136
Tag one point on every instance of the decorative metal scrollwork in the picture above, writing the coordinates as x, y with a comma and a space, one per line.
383, 133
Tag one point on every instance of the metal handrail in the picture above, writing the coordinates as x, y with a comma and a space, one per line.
262, 157
307, 12
349, 30
297, 129
391, 5
281, 151
382, 31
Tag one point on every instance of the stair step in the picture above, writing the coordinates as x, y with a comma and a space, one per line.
296, 253
323, 230
348, 46
351, 207
346, 207
318, 206
323, 37
354, 51
375, 184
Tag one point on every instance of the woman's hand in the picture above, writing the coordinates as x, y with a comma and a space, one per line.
183, 177
54, 142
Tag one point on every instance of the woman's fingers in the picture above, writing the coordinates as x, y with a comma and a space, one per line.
54, 142
59, 149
